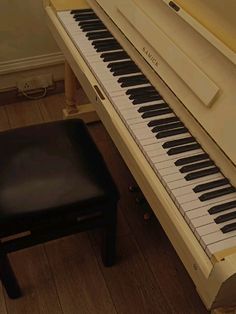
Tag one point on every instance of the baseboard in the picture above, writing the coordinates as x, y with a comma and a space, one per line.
13, 70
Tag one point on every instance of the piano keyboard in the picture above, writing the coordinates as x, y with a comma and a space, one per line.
204, 197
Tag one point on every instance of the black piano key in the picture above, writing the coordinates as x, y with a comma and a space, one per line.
85, 17
139, 77
214, 194
98, 35
210, 185
178, 142
93, 22
173, 132
168, 126
229, 228
190, 159
105, 42
140, 90
181, 149
144, 94
134, 80
105, 45
115, 55
222, 207
120, 64
109, 48
201, 173
162, 121
144, 99
88, 22
225, 217
152, 107
132, 83
81, 11
196, 166
154, 113
127, 70
92, 28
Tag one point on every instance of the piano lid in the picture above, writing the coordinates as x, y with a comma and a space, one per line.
190, 54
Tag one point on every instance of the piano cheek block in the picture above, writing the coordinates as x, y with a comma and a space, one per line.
99, 93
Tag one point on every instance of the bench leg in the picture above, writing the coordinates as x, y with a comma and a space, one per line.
8, 278
109, 240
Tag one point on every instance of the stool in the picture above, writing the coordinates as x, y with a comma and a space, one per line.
53, 182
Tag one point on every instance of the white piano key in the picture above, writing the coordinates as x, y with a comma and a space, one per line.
220, 246
209, 219
216, 237
194, 196
203, 211
138, 120
197, 203
211, 227
183, 182
189, 189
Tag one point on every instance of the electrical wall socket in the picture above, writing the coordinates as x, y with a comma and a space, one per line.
35, 82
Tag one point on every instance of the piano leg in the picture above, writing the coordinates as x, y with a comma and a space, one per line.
85, 112
70, 90
224, 311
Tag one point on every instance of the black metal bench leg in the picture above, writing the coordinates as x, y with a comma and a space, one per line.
109, 240
8, 278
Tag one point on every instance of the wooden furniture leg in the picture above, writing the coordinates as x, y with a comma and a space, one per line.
8, 278
85, 112
70, 90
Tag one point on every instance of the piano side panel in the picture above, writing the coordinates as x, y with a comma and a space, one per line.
225, 295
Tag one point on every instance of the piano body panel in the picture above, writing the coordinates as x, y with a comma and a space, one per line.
225, 295
209, 278
60, 5
197, 50
209, 14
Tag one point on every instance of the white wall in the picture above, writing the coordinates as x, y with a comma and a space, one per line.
24, 38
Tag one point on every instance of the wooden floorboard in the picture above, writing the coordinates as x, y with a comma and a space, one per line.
3, 309
4, 123
51, 107
37, 283
79, 281
67, 276
131, 283
24, 113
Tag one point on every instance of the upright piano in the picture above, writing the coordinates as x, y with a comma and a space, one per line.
161, 75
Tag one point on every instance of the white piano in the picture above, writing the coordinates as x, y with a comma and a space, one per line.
162, 78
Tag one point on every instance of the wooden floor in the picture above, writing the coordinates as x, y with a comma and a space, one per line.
67, 276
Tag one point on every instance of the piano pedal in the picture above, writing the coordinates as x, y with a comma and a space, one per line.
141, 200
134, 188
148, 213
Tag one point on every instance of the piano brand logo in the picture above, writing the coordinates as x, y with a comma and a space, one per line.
150, 56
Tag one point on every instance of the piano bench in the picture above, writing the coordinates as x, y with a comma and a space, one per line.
53, 182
